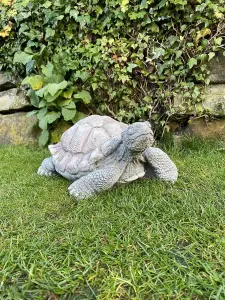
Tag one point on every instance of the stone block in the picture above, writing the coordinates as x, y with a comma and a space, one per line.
214, 99
217, 68
18, 129
5, 82
213, 102
12, 100
206, 129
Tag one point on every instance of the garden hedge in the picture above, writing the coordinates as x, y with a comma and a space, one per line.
123, 58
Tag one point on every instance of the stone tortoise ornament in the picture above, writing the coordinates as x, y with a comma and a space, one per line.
98, 151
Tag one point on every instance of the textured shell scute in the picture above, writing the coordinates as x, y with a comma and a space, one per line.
79, 140
114, 128
67, 136
72, 166
80, 145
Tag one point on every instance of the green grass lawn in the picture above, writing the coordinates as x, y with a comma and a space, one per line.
144, 240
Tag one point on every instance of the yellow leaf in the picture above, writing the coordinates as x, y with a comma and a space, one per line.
5, 31
124, 5
11, 13
202, 33
6, 2
219, 15
36, 82
68, 94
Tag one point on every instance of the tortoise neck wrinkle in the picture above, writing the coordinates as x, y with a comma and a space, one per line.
126, 155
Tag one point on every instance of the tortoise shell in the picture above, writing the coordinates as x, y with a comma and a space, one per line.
80, 146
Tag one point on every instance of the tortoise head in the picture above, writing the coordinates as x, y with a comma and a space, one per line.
138, 136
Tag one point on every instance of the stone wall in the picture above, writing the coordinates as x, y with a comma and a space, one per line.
213, 104
15, 127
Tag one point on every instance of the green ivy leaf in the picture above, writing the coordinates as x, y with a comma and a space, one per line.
84, 95
42, 112
218, 41
162, 3
79, 116
158, 52
34, 99
192, 61
49, 33
68, 93
26, 81
42, 103
83, 75
211, 55
40, 93
144, 4
94, 86
124, 4
47, 4
22, 57
131, 66
53, 88
71, 105
50, 98
47, 70
154, 27
43, 124
52, 116
147, 99
68, 114
178, 54
43, 138
74, 14
63, 102
31, 113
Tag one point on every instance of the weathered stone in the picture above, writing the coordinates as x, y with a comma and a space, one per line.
5, 82
18, 129
173, 126
217, 69
214, 99
12, 99
213, 102
206, 129
3, 78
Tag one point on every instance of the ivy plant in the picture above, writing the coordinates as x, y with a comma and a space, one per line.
128, 59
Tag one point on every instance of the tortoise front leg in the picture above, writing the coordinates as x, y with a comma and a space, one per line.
159, 165
95, 182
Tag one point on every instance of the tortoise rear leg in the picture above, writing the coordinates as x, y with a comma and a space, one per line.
47, 167
96, 181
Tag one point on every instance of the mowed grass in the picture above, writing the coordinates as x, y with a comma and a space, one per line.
144, 240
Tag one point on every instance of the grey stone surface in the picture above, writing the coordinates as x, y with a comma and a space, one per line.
214, 99
18, 129
12, 100
213, 102
217, 68
207, 129
97, 152
5, 82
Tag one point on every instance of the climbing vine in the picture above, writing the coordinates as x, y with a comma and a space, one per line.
128, 59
